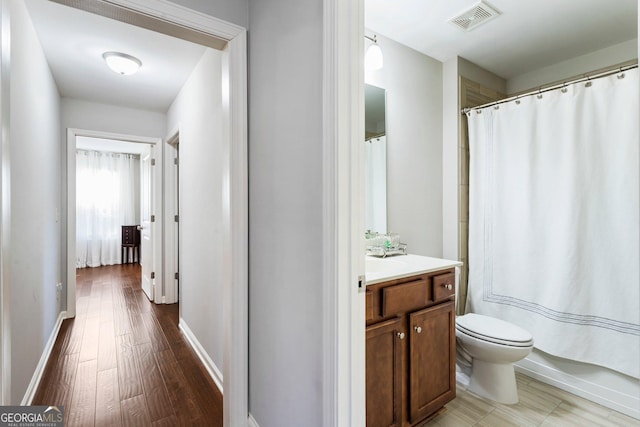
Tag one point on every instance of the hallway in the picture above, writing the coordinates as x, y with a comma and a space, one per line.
123, 360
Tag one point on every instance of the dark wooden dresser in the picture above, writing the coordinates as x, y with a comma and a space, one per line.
130, 242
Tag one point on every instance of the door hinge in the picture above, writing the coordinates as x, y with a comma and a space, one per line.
153, 218
153, 162
153, 274
176, 218
177, 276
175, 161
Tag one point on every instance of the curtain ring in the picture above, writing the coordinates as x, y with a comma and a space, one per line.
564, 88
588, 83
539, 96
620, 74
518, 101
496, 107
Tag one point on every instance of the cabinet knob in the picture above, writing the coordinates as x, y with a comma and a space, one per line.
418, 329
449, 286
401, 335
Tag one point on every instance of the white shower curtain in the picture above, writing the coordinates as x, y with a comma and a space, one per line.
554, 219
106, 191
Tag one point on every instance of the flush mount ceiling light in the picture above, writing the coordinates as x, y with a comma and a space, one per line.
373, 59
122, 63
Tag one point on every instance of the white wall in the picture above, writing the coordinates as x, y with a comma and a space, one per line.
573, 67
35, 201
413, 82
88, 115
450, 144
198, 111
285, 212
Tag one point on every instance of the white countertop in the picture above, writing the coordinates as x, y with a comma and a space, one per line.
396, 267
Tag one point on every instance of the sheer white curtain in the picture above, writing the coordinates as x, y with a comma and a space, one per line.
106, 194
554, 219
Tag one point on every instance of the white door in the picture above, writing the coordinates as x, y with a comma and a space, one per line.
146, 233
171, 254
176, 223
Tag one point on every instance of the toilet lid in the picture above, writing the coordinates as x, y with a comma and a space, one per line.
494, 330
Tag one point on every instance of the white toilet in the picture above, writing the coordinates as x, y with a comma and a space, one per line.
487, 348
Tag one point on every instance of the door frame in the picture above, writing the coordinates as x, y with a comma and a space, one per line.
156, 230
171, 243
343, 388
163, 16
72, 135
5, 206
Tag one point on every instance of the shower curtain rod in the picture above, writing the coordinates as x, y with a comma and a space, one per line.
554, 87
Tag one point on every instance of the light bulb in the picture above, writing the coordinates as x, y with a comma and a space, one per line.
373, 58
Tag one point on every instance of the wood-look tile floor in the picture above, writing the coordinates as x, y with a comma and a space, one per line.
540, 405
122, 361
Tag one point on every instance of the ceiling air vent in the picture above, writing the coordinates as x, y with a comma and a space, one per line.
477, 15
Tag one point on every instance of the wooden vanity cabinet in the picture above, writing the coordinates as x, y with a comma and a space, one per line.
384, 357
432, 360
410, 348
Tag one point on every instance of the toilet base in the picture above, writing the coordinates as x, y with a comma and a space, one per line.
495, 381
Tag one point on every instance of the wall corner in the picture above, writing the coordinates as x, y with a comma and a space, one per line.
450, 138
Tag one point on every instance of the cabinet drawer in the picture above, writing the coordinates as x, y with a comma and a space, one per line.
444, 285
405, 297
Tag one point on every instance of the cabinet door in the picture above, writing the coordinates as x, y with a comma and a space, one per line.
384, 373
432, 358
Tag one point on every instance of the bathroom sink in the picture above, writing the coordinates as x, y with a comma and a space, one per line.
376, 268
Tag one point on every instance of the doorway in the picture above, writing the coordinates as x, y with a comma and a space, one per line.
150, 194
114, 205
231, 41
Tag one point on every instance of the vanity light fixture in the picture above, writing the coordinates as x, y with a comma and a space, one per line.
122, 63
373, 57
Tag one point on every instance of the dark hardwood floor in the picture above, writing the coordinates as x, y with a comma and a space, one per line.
123, 360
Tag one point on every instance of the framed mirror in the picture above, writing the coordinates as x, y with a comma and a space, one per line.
375, 159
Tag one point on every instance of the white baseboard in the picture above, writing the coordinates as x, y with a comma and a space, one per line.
251, 422
213, 370
37, 375
627, 404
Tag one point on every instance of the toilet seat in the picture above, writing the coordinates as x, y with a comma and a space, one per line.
493, 330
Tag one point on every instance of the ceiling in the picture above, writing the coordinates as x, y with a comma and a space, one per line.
74, 41
528, 35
